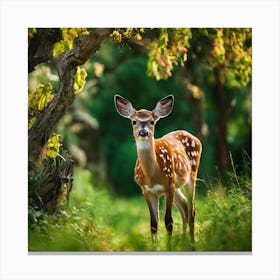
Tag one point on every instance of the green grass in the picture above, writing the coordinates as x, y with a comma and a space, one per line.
96, 221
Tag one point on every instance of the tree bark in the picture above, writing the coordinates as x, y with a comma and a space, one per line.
66, 65
222, 154
40, 46
55, 184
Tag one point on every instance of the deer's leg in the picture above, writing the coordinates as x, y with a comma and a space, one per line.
181, 204
169, 198
153, 204
190, 193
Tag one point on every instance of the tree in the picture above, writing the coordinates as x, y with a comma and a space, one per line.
56, 181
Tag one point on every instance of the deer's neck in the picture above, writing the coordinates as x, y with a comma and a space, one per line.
147, 156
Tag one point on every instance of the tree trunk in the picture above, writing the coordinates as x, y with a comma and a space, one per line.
66, 65
221, 147
195, 96
54, 186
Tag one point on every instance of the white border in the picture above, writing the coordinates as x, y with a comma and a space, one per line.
262, 16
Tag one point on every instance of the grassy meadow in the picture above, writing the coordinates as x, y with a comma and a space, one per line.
97, 221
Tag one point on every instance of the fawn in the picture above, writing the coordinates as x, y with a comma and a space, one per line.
164, 165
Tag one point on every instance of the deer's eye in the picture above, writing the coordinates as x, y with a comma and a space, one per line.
152, 122
133, 122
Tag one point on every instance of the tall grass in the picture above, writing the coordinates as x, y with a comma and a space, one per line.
97, 221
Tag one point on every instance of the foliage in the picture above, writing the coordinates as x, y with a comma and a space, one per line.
123, 34
232, 51
168, 50
97, 221
67, 41
229, 216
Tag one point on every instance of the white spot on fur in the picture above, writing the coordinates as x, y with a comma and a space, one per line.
193, 162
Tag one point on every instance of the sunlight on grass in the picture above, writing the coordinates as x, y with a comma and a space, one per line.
96, 221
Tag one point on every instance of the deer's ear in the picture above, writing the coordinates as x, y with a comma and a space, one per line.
124, 107
164, 107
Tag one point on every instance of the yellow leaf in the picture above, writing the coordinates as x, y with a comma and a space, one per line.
79, 79
53, 146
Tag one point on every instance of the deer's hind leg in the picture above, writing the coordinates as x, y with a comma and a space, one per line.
181, 204
190, 195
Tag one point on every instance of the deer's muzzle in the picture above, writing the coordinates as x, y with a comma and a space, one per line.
143, 133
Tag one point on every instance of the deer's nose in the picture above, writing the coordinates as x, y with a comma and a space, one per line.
143, 133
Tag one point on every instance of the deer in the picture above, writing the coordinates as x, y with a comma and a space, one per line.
164, 165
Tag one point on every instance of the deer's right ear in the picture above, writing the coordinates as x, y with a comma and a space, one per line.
124, 107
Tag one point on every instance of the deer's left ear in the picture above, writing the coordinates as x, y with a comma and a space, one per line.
164, 107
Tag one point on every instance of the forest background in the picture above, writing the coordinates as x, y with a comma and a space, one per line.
209, 73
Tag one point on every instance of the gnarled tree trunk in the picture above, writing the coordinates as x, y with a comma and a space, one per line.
56, 178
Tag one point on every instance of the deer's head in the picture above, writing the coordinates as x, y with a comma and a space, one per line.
143, 121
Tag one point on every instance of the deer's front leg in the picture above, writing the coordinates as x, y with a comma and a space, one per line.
169, 198
153, 204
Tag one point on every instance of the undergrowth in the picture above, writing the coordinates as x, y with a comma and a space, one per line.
96, 221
